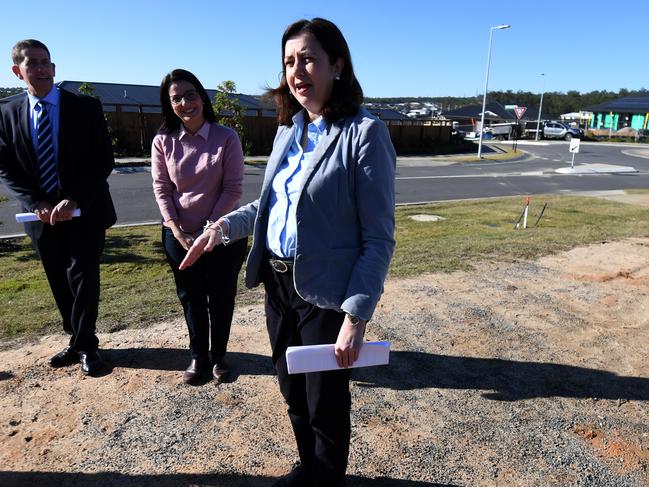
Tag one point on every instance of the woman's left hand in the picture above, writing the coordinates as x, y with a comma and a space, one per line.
349, 342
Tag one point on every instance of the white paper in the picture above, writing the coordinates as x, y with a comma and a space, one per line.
31, 217
317, 358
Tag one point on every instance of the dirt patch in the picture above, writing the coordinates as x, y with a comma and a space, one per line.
526, 374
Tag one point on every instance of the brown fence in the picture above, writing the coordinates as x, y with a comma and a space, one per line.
134, 126
420, 136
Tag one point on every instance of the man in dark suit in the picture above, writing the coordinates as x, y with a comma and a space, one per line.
55, 157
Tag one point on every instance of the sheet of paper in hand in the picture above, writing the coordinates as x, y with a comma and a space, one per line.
316, 358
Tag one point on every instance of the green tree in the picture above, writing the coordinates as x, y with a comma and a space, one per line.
87, 89
229, 111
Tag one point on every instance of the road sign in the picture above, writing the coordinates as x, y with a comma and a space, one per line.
520, 111
574, 145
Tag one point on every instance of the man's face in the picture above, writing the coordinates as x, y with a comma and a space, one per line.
36, 70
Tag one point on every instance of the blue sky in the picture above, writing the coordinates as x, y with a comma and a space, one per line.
399, 48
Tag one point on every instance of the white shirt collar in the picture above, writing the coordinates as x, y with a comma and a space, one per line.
203, 132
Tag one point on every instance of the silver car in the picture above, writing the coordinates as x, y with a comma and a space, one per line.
560, 130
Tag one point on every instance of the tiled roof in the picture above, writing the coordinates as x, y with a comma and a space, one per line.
493, 111
628, 104
388, 114
117, 93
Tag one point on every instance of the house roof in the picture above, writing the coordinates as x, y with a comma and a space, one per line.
387, 113
119, 93
127, 94
493, 111
627, 104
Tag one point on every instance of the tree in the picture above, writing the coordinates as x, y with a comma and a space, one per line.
87, 89
229, 111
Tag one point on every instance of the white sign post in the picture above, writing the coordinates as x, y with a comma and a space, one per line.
574, 148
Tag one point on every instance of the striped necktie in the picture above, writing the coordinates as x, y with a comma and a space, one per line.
46, 159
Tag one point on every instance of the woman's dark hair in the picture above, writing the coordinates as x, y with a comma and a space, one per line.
170, 120
346, 95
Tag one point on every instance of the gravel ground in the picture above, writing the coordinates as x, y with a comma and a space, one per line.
522, 374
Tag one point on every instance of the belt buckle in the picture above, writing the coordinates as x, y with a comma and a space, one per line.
279, 266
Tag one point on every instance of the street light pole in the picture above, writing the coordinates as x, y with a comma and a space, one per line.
538, 121
486, 83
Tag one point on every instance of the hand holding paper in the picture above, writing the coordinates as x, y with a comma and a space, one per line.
317, 358
31, 217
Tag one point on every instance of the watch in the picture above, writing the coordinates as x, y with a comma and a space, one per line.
354, 320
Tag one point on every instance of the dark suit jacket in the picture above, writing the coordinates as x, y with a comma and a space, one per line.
85, 158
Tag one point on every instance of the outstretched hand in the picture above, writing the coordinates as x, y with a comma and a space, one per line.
209, 239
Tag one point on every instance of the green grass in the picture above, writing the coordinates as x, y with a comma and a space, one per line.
480, 230
138, 289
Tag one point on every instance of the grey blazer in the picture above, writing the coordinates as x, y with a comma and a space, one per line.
345, 216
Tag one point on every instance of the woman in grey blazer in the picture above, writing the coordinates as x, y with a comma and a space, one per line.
322, 231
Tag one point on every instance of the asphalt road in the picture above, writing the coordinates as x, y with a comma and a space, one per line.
421, 179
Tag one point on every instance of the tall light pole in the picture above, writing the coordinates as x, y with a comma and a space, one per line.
538, 121
486, 82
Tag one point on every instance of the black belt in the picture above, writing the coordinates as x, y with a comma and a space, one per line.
280, 264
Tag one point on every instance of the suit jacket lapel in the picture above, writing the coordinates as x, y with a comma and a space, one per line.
323, 145
66, 119
26, 133
276, 159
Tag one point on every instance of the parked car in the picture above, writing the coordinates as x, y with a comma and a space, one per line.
560, 130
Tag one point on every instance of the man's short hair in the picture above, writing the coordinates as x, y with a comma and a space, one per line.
17, 51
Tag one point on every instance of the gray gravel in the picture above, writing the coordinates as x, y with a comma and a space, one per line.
497, 378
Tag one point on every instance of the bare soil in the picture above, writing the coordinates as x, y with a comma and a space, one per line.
518, 374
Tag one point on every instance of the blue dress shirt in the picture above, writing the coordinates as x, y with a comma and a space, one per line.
52, 103
281, 237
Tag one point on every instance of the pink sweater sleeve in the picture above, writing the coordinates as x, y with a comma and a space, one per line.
233, 167
163, 187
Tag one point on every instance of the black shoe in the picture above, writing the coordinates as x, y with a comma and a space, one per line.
196, 371
220, 370
65, 357
295, 478
91, 362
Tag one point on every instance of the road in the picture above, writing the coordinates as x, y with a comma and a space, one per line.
422, 179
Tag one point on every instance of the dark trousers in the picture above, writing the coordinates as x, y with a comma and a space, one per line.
206, 291
70, 253
319, 403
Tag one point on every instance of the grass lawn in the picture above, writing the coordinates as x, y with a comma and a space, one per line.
138, 289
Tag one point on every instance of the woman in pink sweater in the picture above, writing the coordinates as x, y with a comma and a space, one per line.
197, 170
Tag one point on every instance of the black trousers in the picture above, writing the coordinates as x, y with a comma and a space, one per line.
319, 403
70, 253
206, 291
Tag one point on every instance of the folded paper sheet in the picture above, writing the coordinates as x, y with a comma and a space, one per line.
316, 358
31, 217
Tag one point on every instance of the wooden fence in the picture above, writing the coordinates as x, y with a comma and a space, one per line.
134, 126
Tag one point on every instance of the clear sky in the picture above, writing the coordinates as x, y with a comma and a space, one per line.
399, 47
